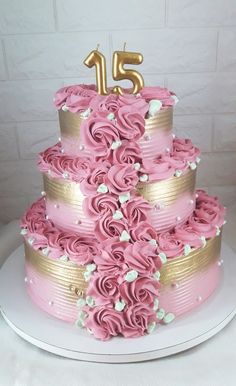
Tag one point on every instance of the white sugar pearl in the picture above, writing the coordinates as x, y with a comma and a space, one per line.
43, 193
50, 303
62, 151
175, 285
46, 217
59, 139
56, 206
78, 222
178, 218
81, 147
167, 149
196, 195
26, 279
191, 202
147, 137
199, 298
31, 281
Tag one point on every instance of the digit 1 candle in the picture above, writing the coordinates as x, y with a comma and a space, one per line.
97, 59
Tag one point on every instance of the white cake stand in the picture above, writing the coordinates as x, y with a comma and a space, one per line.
66, 340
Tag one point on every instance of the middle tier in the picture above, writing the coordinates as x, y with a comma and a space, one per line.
172, 201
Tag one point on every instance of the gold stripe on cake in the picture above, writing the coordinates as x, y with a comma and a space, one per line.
66, 191
67, 276
168, 191
70, 122
198, 260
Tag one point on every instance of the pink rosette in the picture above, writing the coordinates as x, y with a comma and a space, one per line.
211, 213
81, 250
104, 322
175, 162
187, 235
169, 243
77, 167
142, 290
111, 260
158, 169
106, 103
96, 206
98, 133
130, 123
184, 150
104, 288
142, 257
97, 177
35, 212
160, 93
77, 98
137, 319
121, 178
47, 157
106, 227
137, 102
136, 211
203, 199
56, 242
143, 232
128, 153
202, 226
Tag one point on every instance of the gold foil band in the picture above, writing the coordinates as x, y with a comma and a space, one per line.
180, 268
63, 190
71, 283
67, 276
168, 191
70, 122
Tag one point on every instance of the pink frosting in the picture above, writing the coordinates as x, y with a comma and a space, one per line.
136, 211
76, 98
143, 232
160, 93
142, 290
137, 318
96, 206
131, 122
142, 257
184, 149
103, 288
107, 227
121, 178
104, 322
97, 176
170, 244
158, 169
111, 260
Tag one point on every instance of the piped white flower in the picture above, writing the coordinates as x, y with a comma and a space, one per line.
131, 276
124, 197
155, 105
65, 108
120, 305
115, 145
125, 236
102, 188
118, 215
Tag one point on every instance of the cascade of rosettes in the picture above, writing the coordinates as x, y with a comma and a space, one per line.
122, 294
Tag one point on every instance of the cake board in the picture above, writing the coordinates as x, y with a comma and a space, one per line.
61, 338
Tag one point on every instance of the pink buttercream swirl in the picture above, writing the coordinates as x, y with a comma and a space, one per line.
142, 257
97, 205
75, 98
136, 211
122, 178
111, 260
170, 244
137, 318
142, 290
97, 176
159, 93
107, 227
130, 122
103, 288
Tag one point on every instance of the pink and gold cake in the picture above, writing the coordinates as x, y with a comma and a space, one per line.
120, 241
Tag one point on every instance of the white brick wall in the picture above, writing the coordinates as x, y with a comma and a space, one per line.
187, 45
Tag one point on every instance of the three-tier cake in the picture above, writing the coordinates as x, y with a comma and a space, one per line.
121, 241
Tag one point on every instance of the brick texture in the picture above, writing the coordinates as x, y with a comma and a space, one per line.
188, 46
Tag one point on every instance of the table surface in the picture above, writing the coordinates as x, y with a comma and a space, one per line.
210, 364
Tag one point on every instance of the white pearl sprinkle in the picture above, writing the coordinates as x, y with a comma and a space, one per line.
26, 279
220, 262
173, 135
50, 303
175, 285
178, 218
78, 222
62, 151
43, 193
46, 217
199, 298
167, 149
56, 206
191, 202
59, 139
196, 195
31, 281
81, 147
159, 206
147, 137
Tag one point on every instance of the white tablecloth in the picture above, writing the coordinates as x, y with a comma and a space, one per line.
212, 363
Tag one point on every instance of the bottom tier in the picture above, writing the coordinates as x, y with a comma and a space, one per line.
186, 282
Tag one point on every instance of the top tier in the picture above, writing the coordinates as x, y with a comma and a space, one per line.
76, 104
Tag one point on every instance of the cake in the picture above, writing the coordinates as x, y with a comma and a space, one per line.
121, 241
